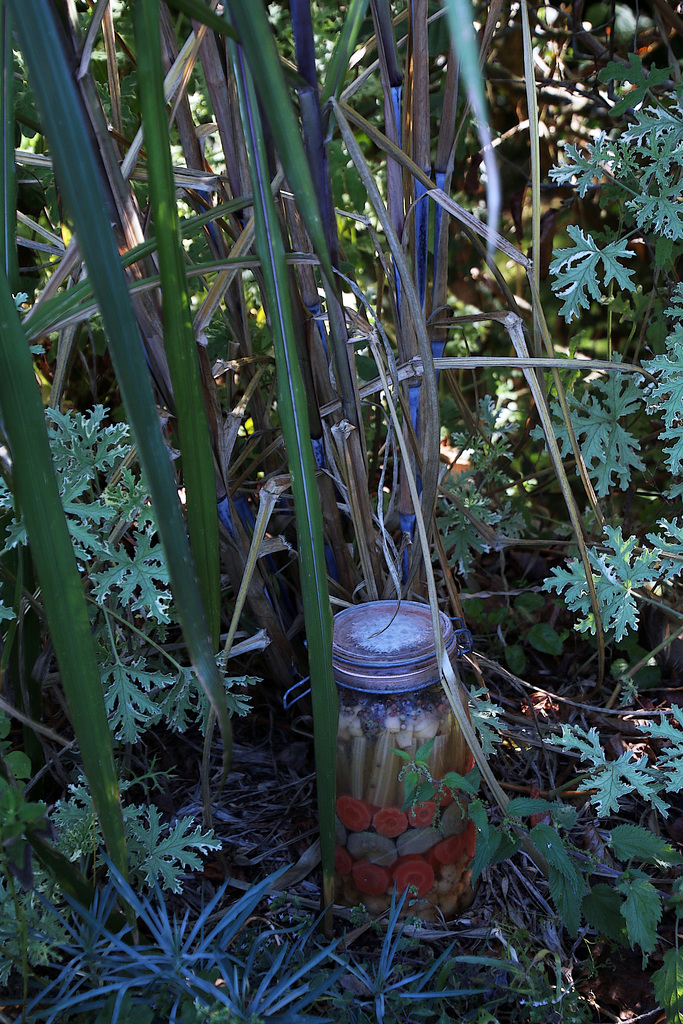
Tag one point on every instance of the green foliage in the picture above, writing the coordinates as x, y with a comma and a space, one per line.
631, 842
471, 515
26, 931
640, 83
619, 572
114, 533
641, 909
601, 907
612, 780
289, 974
576, 269
609, 450
486, 718
638, 171
627, 912
634, 176
668, 985
159, 852
665, 393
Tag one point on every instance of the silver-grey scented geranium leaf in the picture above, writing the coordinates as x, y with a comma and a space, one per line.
609, 450
618, 572
578, 270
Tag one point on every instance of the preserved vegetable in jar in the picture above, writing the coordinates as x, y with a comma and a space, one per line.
391, 703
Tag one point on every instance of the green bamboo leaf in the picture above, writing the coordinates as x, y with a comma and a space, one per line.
294, 416
35, 486
339, 62
78, 173
193, 428
66, 305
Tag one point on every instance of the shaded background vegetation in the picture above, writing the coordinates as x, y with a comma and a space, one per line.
289, 359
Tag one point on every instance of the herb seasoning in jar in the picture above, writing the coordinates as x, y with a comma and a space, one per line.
390, 699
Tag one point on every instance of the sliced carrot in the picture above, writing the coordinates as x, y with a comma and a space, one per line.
371, 878
343, 861
434, 864
389, 821
408, 857
450, 850
470, 839
414, 871
422, 814
354, 814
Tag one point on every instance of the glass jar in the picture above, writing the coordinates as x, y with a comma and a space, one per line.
390, 699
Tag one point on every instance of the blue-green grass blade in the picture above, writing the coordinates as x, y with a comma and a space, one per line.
8, 175
255, 35
295, 427
37, 495
199, 11
193, 428
258, 43
77, 170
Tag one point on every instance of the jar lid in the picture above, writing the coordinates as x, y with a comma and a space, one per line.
387, 648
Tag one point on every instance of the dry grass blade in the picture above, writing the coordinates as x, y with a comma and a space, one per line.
532, 107
346, 440
467, 219
172, 83
269, 495
514, 328
268, 498
224, 280
429, 440
452, 684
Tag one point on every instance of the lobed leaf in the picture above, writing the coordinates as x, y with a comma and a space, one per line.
613, 780
585, 168
633, 74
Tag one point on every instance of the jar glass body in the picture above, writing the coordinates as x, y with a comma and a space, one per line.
426, 846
